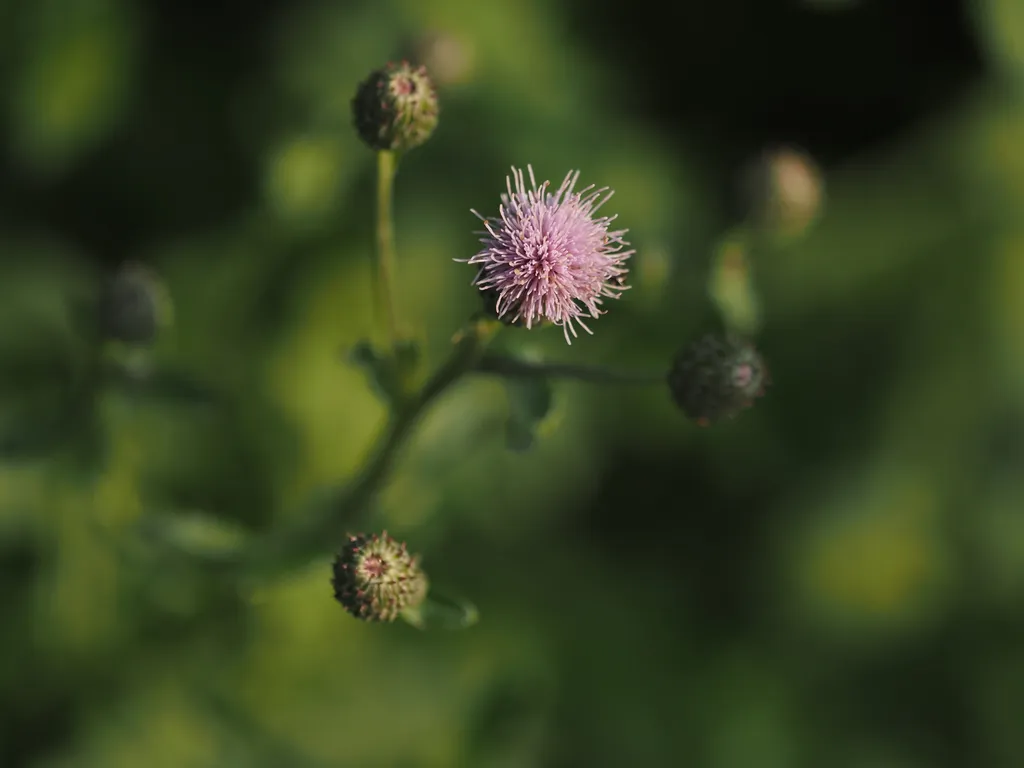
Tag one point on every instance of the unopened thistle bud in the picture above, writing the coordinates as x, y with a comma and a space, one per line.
395, 108
375, 578
785, 191
134, 306
715, 378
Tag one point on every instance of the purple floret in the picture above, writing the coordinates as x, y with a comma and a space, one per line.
546, 257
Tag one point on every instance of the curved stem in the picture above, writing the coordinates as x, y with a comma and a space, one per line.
321, 531
512, 368
387, 165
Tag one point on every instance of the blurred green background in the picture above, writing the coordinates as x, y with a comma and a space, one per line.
834, 579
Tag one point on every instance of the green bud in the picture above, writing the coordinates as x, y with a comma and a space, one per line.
395, 108
135, 306
785, 192
375, 578
715, 378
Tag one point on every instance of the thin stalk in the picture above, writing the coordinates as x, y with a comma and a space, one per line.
387, 166
512, 368
342, 511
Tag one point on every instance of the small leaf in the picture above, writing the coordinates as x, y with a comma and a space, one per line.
194, 533
529, 405
442, 612
731, 287
390, 376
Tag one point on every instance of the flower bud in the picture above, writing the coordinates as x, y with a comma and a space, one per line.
375, 578
784, 191
450, 58
715, 378
395, 108
134, 306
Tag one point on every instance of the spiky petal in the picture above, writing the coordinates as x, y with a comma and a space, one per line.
547, 257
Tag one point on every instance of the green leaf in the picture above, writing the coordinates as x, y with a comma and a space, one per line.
529, 406
194, 533
442, 612
74, 84
731, 287
1002, 25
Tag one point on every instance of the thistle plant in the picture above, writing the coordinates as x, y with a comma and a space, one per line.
549, 256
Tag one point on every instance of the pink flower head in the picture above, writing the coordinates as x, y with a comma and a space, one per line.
546, 257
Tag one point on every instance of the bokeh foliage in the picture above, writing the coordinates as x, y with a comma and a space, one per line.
835, 578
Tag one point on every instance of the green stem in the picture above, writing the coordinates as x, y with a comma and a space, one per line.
387, 165
323, 530
513, 368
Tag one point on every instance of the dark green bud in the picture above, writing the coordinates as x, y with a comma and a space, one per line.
395, 108
715, 378
134, 306
375, 578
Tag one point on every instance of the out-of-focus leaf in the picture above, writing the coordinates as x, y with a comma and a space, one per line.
194, 533
441, 611
1002, 26
74, 80
304, 177
731, 287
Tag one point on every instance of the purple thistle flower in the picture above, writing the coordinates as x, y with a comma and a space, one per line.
546, 257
